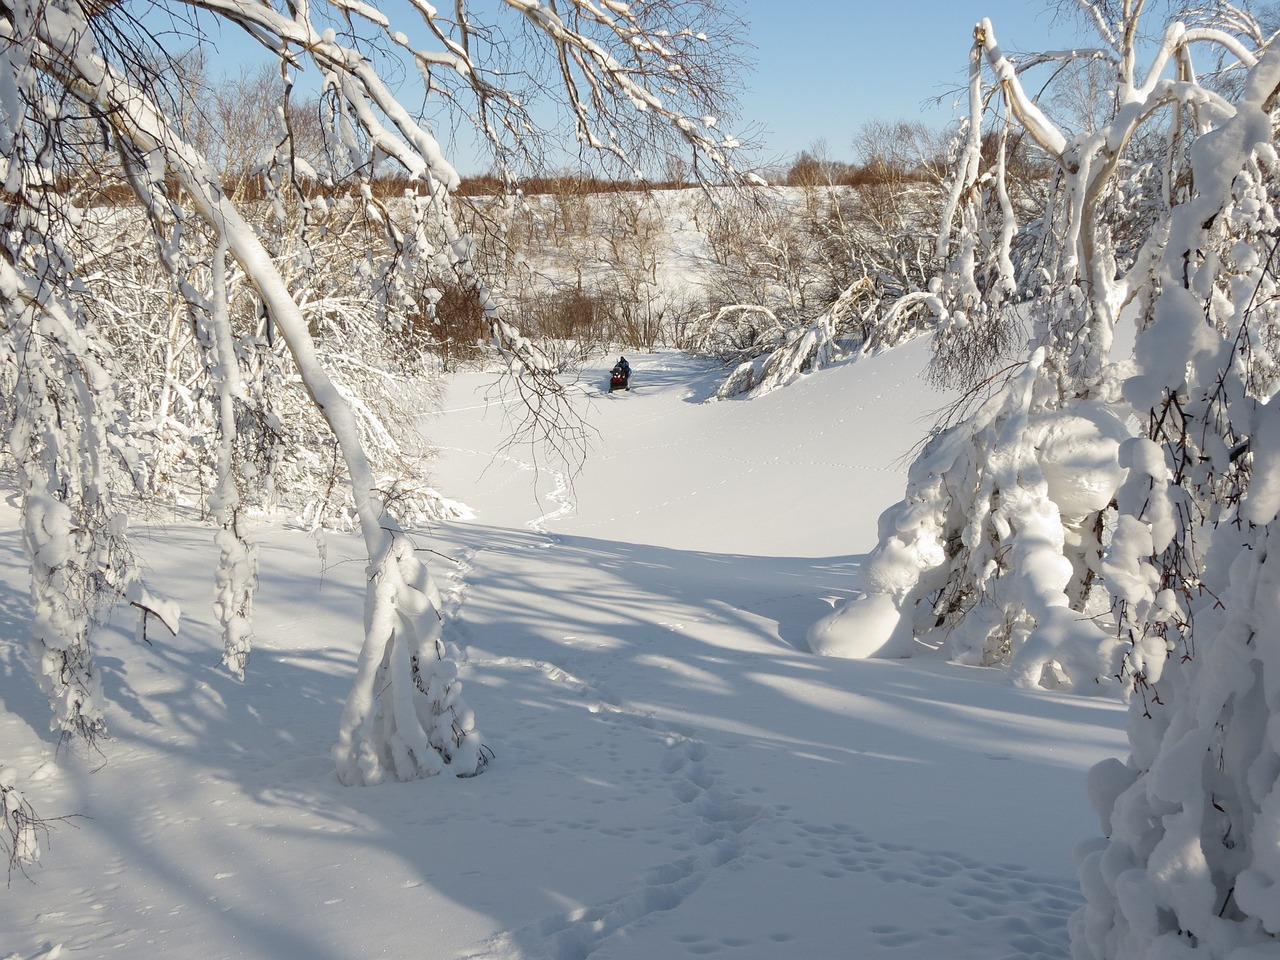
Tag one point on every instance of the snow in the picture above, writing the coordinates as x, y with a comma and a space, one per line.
673, 773
1262, 502
1079, 457
863, 628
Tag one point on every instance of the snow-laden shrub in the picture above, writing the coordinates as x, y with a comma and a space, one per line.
22, 828
735, 333
858, 322
993, 548
282, 454
983, 492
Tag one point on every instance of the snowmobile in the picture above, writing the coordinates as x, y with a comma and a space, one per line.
619, 378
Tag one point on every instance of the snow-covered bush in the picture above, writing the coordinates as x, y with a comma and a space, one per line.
22, 828
981, 495
990, 554
759, 252
735, 333
283, 456
858, 321
1190, 863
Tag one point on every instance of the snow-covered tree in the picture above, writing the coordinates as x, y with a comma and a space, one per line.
996, 552
1190, 866
78, 81
1089, 519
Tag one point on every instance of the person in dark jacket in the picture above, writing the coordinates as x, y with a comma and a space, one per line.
620, 376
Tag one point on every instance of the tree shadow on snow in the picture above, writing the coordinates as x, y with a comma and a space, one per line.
600, 672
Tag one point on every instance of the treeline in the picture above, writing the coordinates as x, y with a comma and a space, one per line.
808, 170
805, 171
487, 185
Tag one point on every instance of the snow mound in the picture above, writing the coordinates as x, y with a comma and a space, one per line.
1079, 458
866, 627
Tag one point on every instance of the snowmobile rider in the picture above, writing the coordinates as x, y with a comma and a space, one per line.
620, 376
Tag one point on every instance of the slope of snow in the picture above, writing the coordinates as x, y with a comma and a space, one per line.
673, 776
805, 473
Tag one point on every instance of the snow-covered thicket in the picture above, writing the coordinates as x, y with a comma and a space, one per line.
249, 304
1105, 525
996, 550
281, 453
1191, 863
820, 271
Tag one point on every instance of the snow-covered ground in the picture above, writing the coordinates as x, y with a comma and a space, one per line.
674, 776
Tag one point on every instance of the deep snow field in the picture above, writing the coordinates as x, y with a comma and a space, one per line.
674, 775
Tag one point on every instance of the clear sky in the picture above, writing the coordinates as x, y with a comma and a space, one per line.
826, 67
823, 68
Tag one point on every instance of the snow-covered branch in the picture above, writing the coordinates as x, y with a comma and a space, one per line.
1029, 115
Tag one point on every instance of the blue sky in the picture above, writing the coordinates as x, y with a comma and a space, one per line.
826, 67
823, 68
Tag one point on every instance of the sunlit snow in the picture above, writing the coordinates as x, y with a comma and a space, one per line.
674, 774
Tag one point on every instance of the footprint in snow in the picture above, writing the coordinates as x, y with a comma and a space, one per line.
1026, 914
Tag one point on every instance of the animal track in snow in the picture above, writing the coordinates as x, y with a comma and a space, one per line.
708, 824
1027, 913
